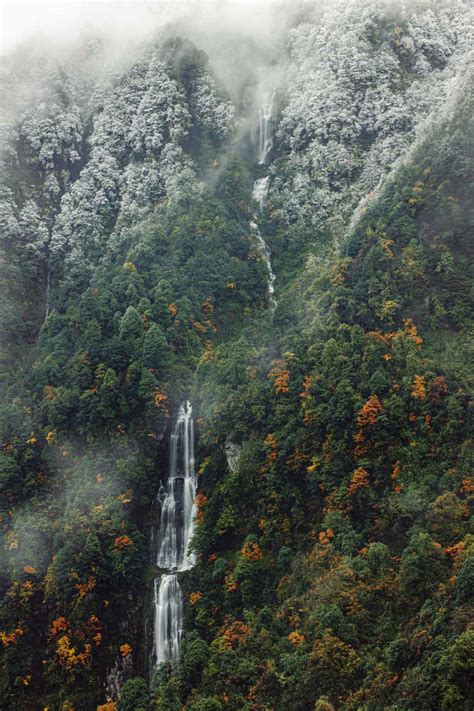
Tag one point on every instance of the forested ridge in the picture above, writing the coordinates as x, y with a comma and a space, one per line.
147, 210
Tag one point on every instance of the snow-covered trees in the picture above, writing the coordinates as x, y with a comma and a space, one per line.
362, 75
50, 126
92, 145
138, 153
101, 144
209, 110
161, 115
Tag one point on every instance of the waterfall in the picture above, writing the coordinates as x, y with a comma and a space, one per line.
264, 250
168, 618
265, 138
260, 192
178, 510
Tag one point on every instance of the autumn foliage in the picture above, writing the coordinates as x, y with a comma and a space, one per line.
194, 597
123, 542
369, 412
161, 401
200, 502
366, 419
359, 480
125, 650
232, 635
280, 376
68, 656
296, 638
419, 391
58, 625
251, 551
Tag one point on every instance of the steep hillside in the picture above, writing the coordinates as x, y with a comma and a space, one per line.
291, 253
341, 558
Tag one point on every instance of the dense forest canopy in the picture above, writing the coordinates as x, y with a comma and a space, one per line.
240, 258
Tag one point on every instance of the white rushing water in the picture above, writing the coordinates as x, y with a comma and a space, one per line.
264, 250
260, 192
168, 618
178, 510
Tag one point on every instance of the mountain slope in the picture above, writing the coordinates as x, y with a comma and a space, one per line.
333, 427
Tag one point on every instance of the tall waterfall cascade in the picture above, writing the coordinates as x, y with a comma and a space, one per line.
178, 510
260, 189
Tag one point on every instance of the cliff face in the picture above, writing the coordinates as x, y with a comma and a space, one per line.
291, 253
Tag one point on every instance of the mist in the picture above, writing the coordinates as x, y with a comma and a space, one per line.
64, 21
244, 40
236, 353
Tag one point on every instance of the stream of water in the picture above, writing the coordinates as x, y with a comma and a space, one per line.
176, 502
260, 189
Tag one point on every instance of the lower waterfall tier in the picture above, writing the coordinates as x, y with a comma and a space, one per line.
168, 618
